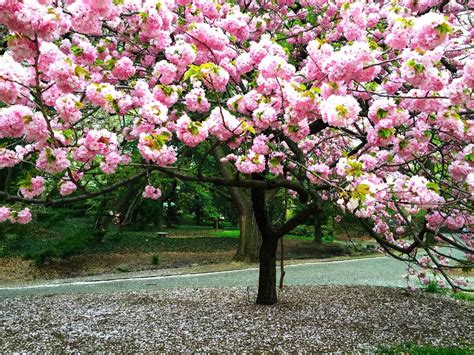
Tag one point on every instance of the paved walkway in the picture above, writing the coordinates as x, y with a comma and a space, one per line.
379, 271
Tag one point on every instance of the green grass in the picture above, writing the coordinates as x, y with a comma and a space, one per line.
463, 296
72, 236
234, 233
424, 350
57, 237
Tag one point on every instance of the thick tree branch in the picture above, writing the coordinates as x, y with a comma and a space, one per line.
66, 200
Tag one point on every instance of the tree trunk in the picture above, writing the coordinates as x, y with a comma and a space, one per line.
267, 277
249, 240
318, 231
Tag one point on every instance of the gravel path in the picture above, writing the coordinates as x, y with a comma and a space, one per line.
309, 318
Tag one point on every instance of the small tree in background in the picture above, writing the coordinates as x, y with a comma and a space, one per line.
366, 105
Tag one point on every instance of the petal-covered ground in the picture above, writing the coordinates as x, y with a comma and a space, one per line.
310, 318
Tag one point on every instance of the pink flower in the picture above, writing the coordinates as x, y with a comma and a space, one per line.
297, 131
223, 124
67, 188
316, 172
8, 158
154, 112
276, 66
4, 214
53, 161
68, 108
35, 188
151, 192
340, 111
153, 147
123, 69
260, 145
100, 141
215, 77
212, 37
111, 162
196, 100
165, 72
190, 132
430, 30
12, 120
250, 163
264, 116
181, 54
24, 216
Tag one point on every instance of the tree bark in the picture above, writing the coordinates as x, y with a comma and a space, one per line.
250, 239
267, 277
318, 231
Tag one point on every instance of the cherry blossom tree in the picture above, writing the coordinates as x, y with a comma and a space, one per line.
364, 104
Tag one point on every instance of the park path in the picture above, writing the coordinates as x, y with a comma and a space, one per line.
378, 271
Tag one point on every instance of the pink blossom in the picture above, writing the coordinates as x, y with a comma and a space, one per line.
276, 66
215, 77
340, 111
8, 158
250, 163
430, 30
190, 132
165, 72
123, 69
35, 188
12, 120
196, 100
4, 214
24, 216
67, 188
316, 172
53, 161
223, 124
151, 192
68, 108
153, 147
100, 141
260, 145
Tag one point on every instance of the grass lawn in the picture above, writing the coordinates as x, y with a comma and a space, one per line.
234, 233
424, 350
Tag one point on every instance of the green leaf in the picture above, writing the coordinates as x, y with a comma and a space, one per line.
444, 28
76, 50
381, 113
81, 72
418, 67
192, 71
193, 127
433, 186
386, 132
69, 134
110, 64
371, 86
363, 189
25, 182
469, 157
355, 168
